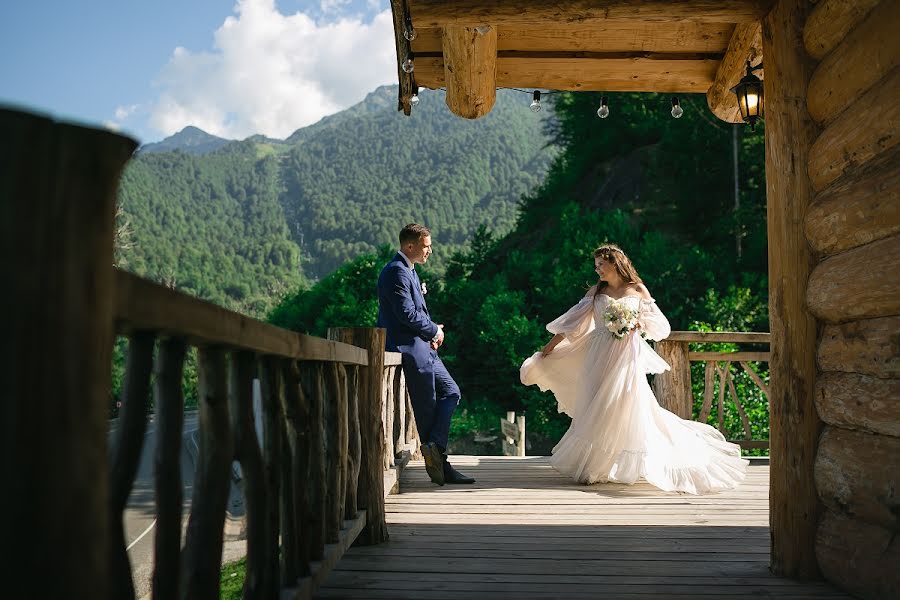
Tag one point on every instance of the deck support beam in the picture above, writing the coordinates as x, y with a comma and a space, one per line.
794, 422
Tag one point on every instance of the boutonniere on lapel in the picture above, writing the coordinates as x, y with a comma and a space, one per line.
424, 288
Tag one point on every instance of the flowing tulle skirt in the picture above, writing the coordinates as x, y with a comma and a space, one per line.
619, 432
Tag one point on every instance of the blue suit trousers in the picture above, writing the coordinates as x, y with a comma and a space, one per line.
434, 396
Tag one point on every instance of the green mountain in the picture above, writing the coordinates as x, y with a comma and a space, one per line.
242, 223
191, 140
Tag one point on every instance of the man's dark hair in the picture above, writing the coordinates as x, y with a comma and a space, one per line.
413, 233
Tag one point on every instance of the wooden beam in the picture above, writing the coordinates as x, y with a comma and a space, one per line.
868, 53
57, 217
746, 44
612, 36
794, 423
402, 45
830, 22
861, 207
673, 388
867, 347
142, 304
859, 556
845, 145
729, 356
435, 13
875, 291
861, 402
856, 472
470, 69
708, 337
642, 73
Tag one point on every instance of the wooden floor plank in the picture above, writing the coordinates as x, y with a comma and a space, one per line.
525, 531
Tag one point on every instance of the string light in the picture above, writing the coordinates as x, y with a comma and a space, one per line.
677, 111
407, 65
603, 111
536, 102
409, 32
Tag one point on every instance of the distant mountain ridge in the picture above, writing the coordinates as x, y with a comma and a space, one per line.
236, 221
191, 140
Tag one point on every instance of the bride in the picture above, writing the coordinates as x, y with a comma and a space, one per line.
597, 365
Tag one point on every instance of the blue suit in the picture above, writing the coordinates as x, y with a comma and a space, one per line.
403, 313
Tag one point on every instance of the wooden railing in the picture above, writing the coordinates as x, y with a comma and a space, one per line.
401, 437
673, 388
315, 484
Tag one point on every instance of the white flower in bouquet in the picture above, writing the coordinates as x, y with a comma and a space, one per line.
620, 318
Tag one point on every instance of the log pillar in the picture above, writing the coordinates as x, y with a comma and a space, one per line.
371, 392
673, 388
57, 210
470, 69
794, 422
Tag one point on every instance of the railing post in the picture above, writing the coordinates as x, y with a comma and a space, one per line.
371, 392
57, 211
673, 388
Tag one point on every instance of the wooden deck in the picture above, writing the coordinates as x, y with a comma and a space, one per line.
524, 531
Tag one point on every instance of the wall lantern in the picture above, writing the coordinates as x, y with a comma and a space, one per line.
749, 92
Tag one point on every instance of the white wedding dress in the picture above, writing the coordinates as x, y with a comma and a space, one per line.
619, 432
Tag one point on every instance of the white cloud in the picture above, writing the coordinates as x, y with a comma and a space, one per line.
327, 6
271, 73
123, 112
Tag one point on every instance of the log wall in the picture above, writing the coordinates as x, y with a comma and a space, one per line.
853, 225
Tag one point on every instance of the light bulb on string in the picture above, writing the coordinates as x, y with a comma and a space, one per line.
536, 102
409, 32
407, 64
414, 100
677, 111
603, 111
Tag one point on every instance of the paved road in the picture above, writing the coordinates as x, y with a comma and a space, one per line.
140, 512
140, 518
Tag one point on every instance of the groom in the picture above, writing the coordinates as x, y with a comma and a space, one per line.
410, 331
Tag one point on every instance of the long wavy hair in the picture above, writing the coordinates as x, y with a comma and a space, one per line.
613, 254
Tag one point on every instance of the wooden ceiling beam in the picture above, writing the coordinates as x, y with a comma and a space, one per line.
746, 44
437, 13
470, 69
606, 37
633, 74
403, 48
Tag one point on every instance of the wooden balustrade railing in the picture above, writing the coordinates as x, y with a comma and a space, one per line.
315, 483
673, 388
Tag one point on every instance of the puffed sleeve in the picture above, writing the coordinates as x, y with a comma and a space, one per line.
576, 322
653, 323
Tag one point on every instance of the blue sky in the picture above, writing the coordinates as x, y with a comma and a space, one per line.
231, 67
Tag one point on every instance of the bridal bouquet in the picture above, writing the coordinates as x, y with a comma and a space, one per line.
620, 318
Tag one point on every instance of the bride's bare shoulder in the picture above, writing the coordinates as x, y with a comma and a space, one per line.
641, 289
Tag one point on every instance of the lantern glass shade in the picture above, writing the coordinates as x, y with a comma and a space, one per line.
749, 92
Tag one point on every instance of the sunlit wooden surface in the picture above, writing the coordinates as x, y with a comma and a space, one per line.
524, 531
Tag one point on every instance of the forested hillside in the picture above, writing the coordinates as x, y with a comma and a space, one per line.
241, 222
212, 226
663, 189
351, 184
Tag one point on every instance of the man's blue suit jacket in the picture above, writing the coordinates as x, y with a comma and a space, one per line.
402, 311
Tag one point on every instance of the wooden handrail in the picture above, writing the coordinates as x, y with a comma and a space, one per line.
745, 337
143, 305
673, 388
